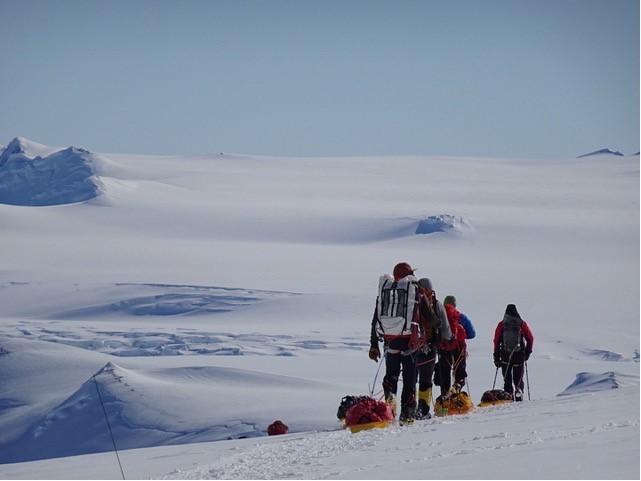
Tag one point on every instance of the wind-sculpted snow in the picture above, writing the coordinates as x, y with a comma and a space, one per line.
166, 302
171, 300
587, 382
442, 223
606, 355
181, 341
63, 177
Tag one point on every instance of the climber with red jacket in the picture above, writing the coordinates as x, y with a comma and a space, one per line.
453, 354
513, 343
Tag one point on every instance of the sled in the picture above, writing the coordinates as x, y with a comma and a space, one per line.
494, 397
454, 403
355, 428
366, 413
494, 403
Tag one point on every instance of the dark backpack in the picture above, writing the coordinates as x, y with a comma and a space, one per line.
429, 320
512, 334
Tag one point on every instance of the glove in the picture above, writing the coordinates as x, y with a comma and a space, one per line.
374, 354
497, 361
527, 355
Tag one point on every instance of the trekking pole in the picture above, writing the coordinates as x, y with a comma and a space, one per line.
469, 391
495, 374
378, 370
527, 380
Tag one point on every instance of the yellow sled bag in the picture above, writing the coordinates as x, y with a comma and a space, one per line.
454, 403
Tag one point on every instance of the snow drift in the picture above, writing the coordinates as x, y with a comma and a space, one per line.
31, 179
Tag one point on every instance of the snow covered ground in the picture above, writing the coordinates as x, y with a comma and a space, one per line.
201, 298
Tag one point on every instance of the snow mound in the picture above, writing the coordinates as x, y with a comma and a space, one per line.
588, 382
442, 223
160, 407
604, 355
32, 175
601, 152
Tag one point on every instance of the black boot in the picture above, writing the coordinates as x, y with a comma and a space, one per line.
407, 416
423, 410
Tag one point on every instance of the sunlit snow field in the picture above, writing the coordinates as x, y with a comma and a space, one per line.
203, 297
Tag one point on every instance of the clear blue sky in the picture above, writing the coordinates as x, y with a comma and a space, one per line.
542, 78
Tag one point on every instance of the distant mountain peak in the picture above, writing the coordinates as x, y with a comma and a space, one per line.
16, 146
26, 147
601, 152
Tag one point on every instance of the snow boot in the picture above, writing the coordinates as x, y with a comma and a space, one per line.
424, 400
518, 395
406, 417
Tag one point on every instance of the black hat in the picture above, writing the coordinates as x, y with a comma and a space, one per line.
511, 310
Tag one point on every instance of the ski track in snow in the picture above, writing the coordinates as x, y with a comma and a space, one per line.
293, 459
299, 456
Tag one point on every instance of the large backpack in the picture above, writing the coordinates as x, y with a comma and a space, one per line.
453, 317
397, 305
512, 334
430, 322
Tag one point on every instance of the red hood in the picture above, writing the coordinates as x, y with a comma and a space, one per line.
451, 310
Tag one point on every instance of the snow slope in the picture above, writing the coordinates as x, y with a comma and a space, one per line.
200, 298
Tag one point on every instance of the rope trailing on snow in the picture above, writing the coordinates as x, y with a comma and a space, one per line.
109, 426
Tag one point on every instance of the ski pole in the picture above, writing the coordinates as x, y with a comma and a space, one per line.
495, 374
371, 391
469, 391
527, 379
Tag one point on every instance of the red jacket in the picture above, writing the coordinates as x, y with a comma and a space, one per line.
458, 332
526, 334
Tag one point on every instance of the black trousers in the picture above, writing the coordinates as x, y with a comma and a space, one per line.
396, 361
425, 366
512, 368
448, 361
